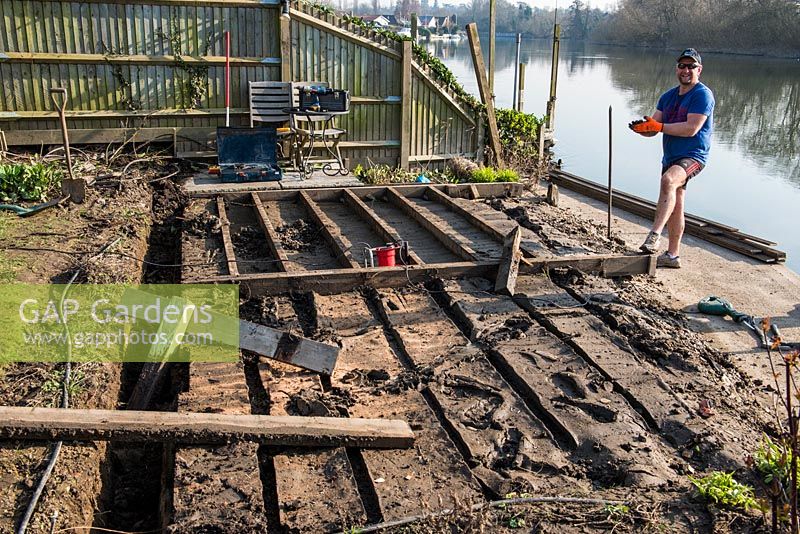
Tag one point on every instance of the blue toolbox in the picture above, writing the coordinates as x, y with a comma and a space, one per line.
248, 154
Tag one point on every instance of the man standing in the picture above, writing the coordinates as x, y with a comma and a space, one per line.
684, 115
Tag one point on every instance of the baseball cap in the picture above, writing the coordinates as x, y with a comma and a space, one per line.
692, 53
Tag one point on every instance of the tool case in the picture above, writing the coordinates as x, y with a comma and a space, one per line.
318, 98
248, 154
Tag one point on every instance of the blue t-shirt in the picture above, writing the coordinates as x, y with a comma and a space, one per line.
674, 108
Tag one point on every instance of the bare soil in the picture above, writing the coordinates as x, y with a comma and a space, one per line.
578, 386
50, 247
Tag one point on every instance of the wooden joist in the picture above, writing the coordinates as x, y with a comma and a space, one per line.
331, 281
384, 229
227, 243
333, 194
330, 231
272, 237
471, 216
53, 424
452, 244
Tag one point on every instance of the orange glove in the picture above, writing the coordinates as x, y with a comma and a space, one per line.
646, 125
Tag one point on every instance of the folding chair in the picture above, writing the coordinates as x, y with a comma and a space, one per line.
270, 103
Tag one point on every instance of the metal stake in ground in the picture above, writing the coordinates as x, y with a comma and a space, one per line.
516, 74
75, 188
610, 192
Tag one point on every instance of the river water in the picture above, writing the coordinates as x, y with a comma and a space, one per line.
752, 180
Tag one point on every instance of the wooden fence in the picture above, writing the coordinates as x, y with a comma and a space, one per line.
156, 71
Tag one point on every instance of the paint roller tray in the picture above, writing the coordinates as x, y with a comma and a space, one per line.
248, 154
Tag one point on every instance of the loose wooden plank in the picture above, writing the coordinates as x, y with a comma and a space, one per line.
225, 229
273, 240
330, 230
379, 225
287, 347
452, 244
506, 280
201, 428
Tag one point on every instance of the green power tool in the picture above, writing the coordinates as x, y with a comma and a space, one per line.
719, 306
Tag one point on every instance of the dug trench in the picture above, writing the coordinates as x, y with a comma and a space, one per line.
103, 240
135, 489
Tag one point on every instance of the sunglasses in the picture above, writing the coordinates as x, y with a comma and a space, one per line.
690, 66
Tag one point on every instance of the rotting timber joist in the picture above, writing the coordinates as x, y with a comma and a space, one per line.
382, 227
489, 190
225, 229
273, 241
331, 281
330, 230
201, 428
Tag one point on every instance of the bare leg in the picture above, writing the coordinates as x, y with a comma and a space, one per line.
676, 224
671, 180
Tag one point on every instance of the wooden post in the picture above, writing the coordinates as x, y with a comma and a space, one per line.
286, 49
492, 20
405, 112
414, 27
506, 281
485, 91
521, 95
551, 103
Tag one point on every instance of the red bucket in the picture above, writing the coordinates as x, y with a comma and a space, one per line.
386, 256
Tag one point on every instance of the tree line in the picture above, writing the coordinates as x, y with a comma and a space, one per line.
757, 26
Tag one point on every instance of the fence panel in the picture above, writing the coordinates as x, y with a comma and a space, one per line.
160, 64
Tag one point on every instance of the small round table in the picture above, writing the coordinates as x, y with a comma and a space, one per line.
311, 118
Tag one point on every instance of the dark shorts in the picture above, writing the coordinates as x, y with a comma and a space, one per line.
692, 168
